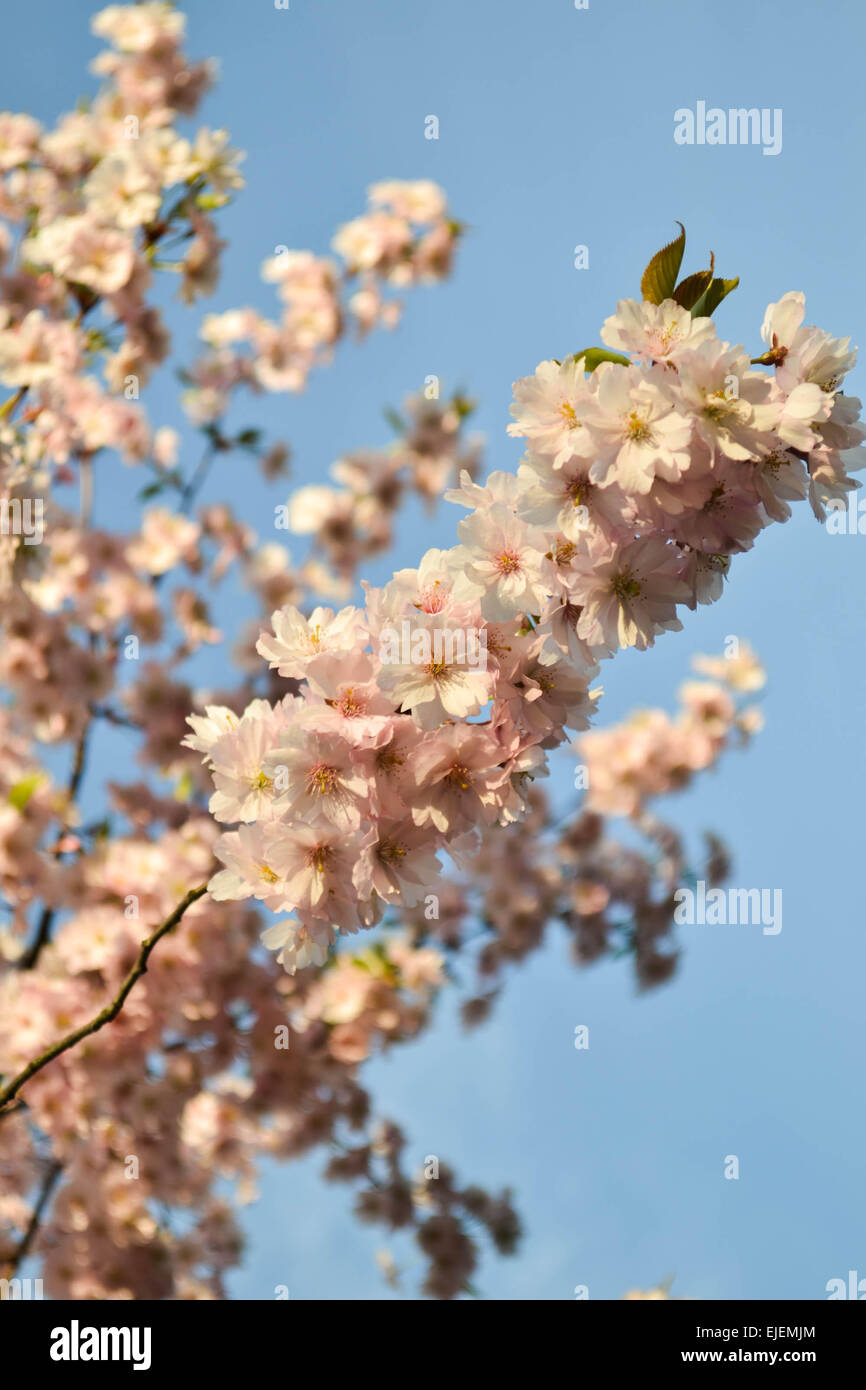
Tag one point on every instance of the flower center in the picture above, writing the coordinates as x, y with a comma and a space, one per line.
719, 406
773, 462
389, 852
350, 705
321, 780
625, 586
388, 759
637, 429
716, 500
717, 564
432, 599
319, 858
460, 775
508, 562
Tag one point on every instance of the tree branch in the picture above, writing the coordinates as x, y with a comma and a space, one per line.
22, 1249
110, 1012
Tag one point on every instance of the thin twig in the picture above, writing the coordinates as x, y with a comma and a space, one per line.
46, 917
85, 483
22, 1249
196, 479
110, 1012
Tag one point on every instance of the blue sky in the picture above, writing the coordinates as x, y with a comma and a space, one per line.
556, 129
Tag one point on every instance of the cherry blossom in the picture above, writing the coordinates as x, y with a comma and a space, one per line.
273, 884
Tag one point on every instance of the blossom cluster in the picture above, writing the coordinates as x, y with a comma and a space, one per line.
650, 473
93, 210
90, 206
651, 754
394, 741
406, 237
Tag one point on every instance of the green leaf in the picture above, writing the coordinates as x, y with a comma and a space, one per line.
395, 420
249, 439
21, 792
463, 405
210, 201
183, 787
152, 490
593, 357
660, 277
690, 290
713, 296
375, 961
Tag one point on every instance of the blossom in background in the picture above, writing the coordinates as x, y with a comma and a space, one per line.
99, 215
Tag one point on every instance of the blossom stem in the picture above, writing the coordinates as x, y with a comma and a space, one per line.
85, 477
196, 480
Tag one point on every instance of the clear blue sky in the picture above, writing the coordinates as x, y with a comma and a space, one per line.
556, 128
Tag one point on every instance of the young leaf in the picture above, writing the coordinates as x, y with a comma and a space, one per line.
712, 298
21, 792
463, 405
249, 439
689, 291
183, 787
394, 420
593, 357
660, 277
152, 490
